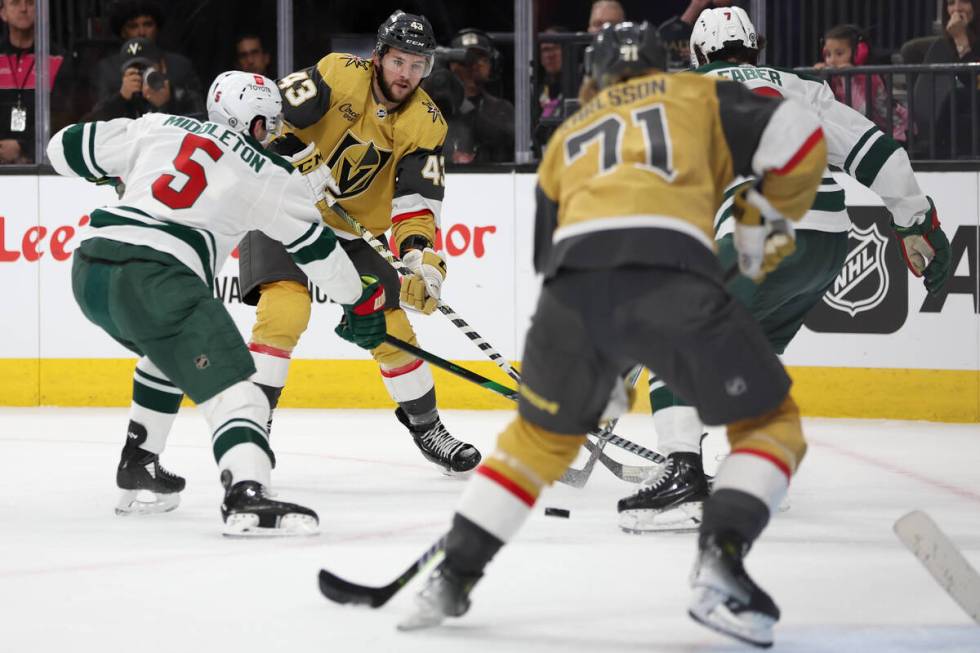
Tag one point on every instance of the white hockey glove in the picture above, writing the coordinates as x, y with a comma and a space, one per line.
309, 162
763, 238
421, 289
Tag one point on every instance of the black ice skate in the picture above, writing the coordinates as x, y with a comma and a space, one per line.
446, 594
439, 447
248, 511
147, 487
672, 502
725, 598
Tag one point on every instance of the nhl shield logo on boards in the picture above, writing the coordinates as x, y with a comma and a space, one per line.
870, 293
863, 281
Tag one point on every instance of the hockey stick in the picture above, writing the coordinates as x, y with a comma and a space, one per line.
343, 591
444, 308
628, 473
577, 478
942, 559
511, 394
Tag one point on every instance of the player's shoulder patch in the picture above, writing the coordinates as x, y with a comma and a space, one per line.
305, 95
423, 118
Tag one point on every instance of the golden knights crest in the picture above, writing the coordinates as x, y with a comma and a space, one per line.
863, 281
355, 163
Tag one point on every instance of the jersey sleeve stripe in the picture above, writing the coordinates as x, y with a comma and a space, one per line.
318, 250
866, 171
71, 143
801, 153
412, 214
90, 138
306, 235
857, 148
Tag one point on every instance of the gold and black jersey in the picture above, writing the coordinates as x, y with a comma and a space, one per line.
636, 175
388, 165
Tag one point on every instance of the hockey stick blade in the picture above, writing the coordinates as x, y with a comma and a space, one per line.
345, 592
954, 573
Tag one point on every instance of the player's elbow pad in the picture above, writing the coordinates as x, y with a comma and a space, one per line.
792, 157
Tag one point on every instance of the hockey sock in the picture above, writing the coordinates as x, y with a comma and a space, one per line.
469, 548
155, 404
412, 388
733, 511
237, 416
678, 426
271, 369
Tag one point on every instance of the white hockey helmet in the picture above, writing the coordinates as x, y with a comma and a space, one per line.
718, 28
237, 99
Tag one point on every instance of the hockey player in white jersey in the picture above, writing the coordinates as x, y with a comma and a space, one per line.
724, 44
144, 272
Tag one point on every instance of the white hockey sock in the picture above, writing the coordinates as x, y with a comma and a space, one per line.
271, 364
237, 417
754, 473
155, 404
409, 383
678, 429
495, 503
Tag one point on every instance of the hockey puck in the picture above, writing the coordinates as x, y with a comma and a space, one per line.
557, 512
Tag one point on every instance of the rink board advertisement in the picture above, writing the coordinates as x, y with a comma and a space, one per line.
875, 347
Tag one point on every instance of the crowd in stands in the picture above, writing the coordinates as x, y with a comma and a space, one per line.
139, 76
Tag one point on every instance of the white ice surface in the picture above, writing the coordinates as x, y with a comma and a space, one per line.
75, 577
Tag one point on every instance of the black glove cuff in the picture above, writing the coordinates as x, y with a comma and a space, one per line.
414, 241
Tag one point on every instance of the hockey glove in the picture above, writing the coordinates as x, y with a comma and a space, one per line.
309, 162
116, 183
762, 237
421, 289
925, 248
363, 322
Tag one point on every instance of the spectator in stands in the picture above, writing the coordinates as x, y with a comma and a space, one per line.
551, 95
17, 79
551, 99
485, 129
145, 87
958, 45
143, 19
845, 46
252, 56
605, 11
676, 32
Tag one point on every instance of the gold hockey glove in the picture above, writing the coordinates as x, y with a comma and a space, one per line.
421, 289
763, 238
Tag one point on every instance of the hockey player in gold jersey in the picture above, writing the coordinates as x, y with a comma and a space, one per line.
624, 237
373, 139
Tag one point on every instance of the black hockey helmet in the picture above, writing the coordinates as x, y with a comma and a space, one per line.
408, 32
624, 50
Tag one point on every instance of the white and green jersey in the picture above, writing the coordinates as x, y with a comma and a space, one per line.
854, 145
193, 189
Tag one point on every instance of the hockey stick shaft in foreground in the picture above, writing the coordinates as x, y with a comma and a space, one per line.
942, 559
510, 393
339, 590
577, 478
444, 308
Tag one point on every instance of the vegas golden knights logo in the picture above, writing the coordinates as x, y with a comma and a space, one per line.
355, 164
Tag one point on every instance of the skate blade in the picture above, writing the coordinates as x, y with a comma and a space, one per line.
130, 503
462, 476
708, 609
682, 519
246, 525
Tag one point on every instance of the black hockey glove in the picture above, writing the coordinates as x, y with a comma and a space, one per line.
363, 322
